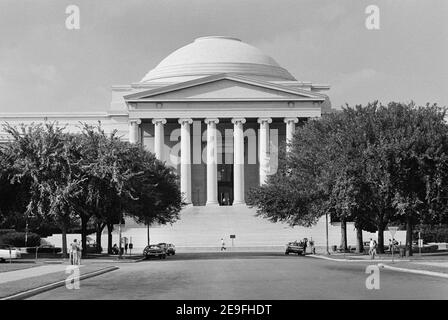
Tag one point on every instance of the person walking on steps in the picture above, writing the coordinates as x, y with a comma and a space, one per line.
223, 245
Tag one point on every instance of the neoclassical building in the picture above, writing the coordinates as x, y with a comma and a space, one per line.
217, 110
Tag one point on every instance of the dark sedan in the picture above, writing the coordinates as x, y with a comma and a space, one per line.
154, 250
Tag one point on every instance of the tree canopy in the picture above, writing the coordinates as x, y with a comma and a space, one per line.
371, 165
87, 178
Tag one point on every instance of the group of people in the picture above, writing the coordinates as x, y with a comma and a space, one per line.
116, 250
75, 253
304, 242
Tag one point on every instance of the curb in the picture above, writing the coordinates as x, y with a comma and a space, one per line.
348, 260
118, 260
423, 272
51, 286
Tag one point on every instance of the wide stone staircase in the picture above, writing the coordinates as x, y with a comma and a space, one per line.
200, 228
203, 227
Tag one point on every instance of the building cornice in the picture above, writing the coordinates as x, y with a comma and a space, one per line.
304, 94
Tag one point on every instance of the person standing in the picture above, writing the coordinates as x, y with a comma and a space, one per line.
371, 247
313, 250
375, 245
223, 245
75, 253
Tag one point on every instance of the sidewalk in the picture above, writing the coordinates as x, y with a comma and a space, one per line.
31, 272
42, 277
354, 258
432, 268
435, 264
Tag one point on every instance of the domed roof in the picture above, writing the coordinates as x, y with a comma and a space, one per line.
213, 55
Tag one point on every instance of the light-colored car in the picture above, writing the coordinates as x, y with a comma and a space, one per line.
8, 252
295, 247
169, 248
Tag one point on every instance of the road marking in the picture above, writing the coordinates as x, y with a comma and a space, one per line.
348, 260
423, 272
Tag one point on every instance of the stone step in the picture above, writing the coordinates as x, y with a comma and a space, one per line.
205, 226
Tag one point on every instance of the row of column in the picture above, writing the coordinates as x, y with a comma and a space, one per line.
212, 153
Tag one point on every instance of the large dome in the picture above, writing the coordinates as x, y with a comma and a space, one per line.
212, 55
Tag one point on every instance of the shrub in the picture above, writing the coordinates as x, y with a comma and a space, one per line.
438, 233
53, 250
17, 239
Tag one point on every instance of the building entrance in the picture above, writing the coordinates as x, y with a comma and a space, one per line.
225, 184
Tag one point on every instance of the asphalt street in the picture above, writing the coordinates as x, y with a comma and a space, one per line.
249, 276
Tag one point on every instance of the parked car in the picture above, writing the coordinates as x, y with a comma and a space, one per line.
45, 248
93, 248
154, 250
8, 252
169, 248
295, 247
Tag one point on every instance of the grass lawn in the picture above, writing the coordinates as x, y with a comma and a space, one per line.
16, 265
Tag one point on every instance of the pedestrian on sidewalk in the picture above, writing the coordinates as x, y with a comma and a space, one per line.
115, 249
223, 245
75, 253
312, 248
375, 245
372, 248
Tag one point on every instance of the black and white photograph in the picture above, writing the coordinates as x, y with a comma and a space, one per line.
224, 156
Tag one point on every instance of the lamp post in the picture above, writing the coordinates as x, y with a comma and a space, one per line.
26, 234
119, 239
326, 231
392, 231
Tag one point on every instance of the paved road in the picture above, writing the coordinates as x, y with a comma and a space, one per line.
249, 276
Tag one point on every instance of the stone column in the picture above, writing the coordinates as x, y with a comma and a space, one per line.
264, 148
290, 129
212, 162
159, 137
134, 130
238, 161
185, 159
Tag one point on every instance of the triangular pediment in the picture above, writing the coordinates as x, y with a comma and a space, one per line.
223, 87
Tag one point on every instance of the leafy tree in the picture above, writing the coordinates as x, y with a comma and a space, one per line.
369, 165
85, 178
417, 146
156, 197
123, 179
43, 158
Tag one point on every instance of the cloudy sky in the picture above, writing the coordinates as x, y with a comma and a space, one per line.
46, 68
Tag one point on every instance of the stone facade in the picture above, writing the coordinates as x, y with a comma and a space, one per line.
217, 110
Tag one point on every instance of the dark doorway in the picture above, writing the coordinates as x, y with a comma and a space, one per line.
225, 184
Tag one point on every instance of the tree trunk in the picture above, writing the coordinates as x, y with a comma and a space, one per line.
343, 235
408, 236
381, 238
64, 242
110, 228
84, 221
147, 233
360, 246
99, 231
